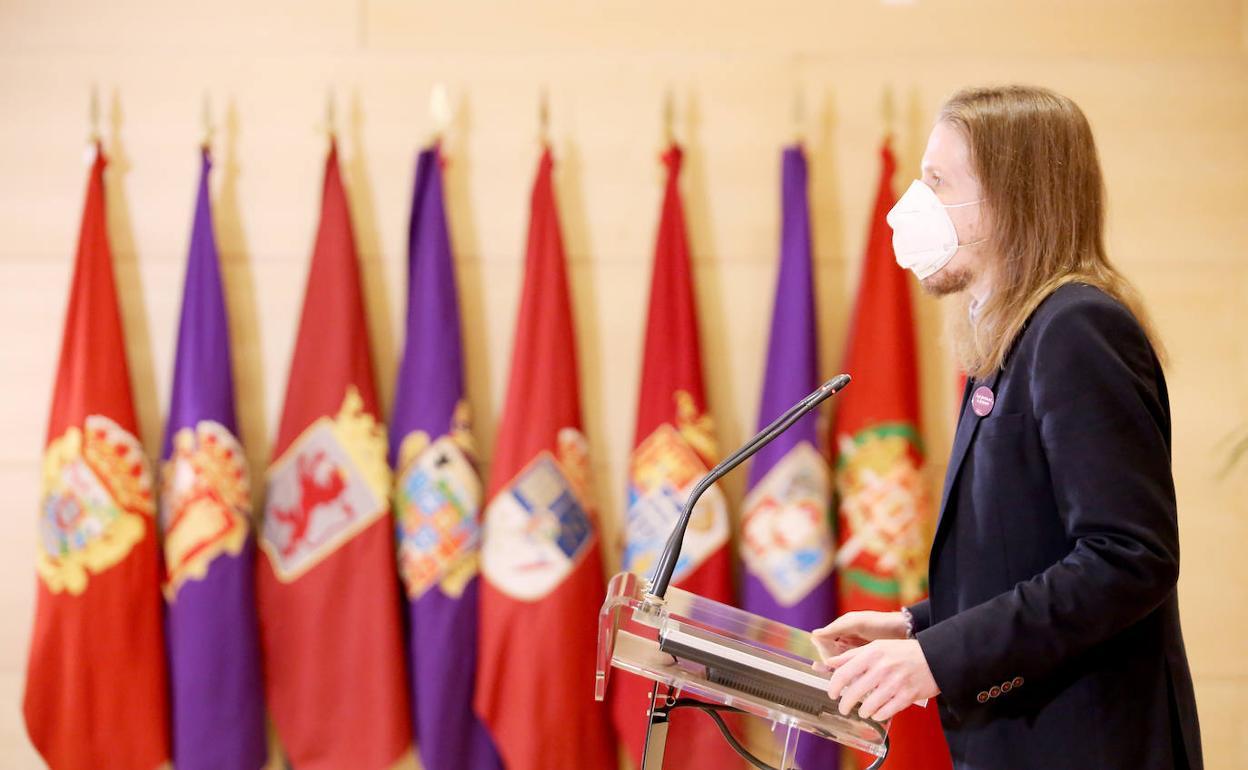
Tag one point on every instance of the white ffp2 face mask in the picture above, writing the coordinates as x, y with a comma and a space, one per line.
924, 238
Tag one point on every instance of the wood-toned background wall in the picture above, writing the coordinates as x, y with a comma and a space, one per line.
1164, 82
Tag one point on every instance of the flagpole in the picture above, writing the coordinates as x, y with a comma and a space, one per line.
207, 125
439, 111
93, 124
543, 117
331, 128
669, 119
799, 116
888, 109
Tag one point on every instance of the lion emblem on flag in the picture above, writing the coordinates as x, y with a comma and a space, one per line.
665, 469
330, 484
436, 502
537, 529
884, 502
786, 528
97, 495
205, 502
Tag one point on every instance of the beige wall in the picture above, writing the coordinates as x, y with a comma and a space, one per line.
1165, 83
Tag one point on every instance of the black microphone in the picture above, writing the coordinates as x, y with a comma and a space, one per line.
671, 552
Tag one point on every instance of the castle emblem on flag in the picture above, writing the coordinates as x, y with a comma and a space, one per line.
436, 502
665, 469
330, 484
205, 501
884, 499
786, 528
97, 493
538, 527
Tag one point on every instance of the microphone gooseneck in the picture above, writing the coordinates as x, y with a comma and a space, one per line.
671, 551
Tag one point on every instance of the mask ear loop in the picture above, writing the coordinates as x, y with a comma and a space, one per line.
962, 205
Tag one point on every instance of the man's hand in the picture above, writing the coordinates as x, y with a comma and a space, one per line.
854, 629
885, 676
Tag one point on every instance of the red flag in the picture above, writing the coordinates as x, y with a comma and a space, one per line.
96, 681
673, 448
326, 585
540, 557
885, 514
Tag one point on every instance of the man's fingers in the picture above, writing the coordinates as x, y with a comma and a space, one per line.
826, 647
846, 655
834, 629
848, 665
891, 709
831, 648
853, 680
858, 689
881, 695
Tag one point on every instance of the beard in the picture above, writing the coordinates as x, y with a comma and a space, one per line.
947, 281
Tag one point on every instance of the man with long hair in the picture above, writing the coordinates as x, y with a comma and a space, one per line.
1052, 630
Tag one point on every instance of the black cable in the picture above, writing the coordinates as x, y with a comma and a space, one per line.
732, 741
712, 710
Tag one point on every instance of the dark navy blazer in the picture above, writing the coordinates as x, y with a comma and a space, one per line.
1052, 627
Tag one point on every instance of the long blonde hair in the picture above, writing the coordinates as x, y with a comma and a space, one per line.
1033, 153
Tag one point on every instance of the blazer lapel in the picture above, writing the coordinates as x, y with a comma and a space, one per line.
967, 424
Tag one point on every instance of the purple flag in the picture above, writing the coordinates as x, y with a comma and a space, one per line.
786, 543
205, 509
437, 496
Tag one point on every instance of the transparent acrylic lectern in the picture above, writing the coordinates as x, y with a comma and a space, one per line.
729, 660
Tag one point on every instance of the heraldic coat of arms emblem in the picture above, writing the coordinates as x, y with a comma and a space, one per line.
538, 527
786, 530
437, 501
330, 484
97, 495
205, 501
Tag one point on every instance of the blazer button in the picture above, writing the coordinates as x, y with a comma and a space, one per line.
994, 692
1018, 681
982, 697
1006, 686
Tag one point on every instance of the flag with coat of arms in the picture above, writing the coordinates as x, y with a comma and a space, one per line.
96, 683
437, 494
205, 521
787, 544
540, 556
674, 447
885, 514
328, 593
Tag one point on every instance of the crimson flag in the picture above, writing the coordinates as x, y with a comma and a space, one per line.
327, 586
884, 512
96, 692
540, 561
673, 448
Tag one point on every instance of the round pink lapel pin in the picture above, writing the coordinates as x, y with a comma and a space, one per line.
982, 400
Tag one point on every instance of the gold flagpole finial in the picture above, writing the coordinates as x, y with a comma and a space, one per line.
93, 116
206, 119
889, 111
331, 126
440, 110
543, 116
799, 115
669, 118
